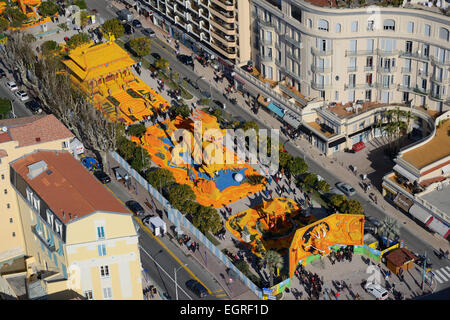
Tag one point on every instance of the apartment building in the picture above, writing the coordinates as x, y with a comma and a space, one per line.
220, 27
340, 54
78, 234
420, 181
18, 137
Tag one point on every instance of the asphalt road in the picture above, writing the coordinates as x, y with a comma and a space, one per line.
19, 108
158, 257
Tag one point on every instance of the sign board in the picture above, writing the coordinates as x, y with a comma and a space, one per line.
268, 291
271, 297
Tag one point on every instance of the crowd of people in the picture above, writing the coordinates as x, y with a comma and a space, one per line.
344, 253
312, 283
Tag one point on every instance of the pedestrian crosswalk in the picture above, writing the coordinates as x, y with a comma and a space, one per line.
442, 275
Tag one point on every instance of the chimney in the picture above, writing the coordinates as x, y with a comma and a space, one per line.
36, 169
70, 217
38, 139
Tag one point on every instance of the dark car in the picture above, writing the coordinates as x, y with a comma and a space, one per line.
187, 60
197, 288
33, 106
220, 104
2, 73
156, 55
129, 29
148, 32
135, 207
136, 23
102, 176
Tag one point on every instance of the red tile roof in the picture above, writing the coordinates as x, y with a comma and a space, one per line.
69, 188
323, 3
399, 257
40, 130
19, 121
4, 137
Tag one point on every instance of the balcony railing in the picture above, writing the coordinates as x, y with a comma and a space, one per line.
225, 4
266, 24
421, 91
406, 70
385, 86
349, 53
440, 62
265, 58
292, 41
204, 13
320, 69
320, 86
292, 56
318, 52
226, 16
266, 42
437, 96
404, 87
292, 94
50, 246
382, 69
368, 68
352, 69
440, 79
414, 55
381, 52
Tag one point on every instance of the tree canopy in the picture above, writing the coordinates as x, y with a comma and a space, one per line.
297, 166
15, 16
206, 219
48, 8
250, 125
5, 107
161, 63
4, 24
49, 47
352, 207
140, 46
137, 130
273, 260
179, 195
115, 27
160, 178
78, 40
181, 109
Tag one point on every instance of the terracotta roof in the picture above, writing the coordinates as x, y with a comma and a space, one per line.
3, 153
399, 257
42, 129
69, 188
435, 149
4, 137
18, 121
323, 3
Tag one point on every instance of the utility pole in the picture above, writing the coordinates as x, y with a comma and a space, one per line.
424, 271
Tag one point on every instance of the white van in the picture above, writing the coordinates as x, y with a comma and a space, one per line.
376, 290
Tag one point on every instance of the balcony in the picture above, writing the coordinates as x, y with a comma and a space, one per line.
292, 74
170, 15
226, 16
405, 88
349, 53
320, 86
439, 62
224, 4
406, 70
318, 52
229, 53
181, 2
293, 93
320, 69
421, 91
436, 96
414, 55
266, 24
170, 3
38, 233
292, 56
204, 13
226, 28
180, 21
192, 6
382, 69
383, 86
264, 58
385, 53
204, 3
368, 68
423, 73
229, 41
440, 80
179, 12
204, 25
292, 41
352, 69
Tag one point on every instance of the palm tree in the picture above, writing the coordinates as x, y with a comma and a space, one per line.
389, 228
273, 260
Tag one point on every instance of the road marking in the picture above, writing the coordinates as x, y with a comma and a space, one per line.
440, 275
144, 227
221, 295
437, 278
164, 271
218, 291
164, 48
445, 272
448, 268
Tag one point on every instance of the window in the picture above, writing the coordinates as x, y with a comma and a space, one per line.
6, 191
369, 61
443, 34
369, 45
410, 27
3, 177
354, 26
309, 23
322, 25
107, 293
427, 30
13, 234
50, 218
104, 271
322, 94
58, 228
101, 250
88, 295
336, 95
426, 50
10, 220
370, 25
100, 232
389, 24
338, 27
353, 45
368, 95
65, 144
8, 206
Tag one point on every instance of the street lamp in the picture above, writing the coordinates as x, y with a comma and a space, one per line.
176, 285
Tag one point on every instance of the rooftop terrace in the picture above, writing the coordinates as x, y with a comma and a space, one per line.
434, 150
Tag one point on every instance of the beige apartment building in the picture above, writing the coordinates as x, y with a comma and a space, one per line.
79, 238
18, 137
220, 27
385, 54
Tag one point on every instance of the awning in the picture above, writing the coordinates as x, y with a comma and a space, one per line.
276, 109
408, 175
388, 188
439, 227
420, 214
129, 2
239, 79
446, 169
337, 142
403, 202
292, 119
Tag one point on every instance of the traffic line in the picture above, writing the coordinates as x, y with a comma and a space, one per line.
221, 295
448, 268
445, 272
440, 274
218, 291
144, 227
163, 47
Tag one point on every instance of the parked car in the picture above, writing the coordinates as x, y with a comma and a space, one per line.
197, 288
376, 290
336, 191
22, 95
220, 104
185, 59
135, 207
2, 73
102, 176
346, 188
12, 85
136, 23
33, 106
369, 227
145, 220
129, 29
373, 220
148, 32
156, 55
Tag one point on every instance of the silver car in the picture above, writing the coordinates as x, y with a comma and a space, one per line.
346, 188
